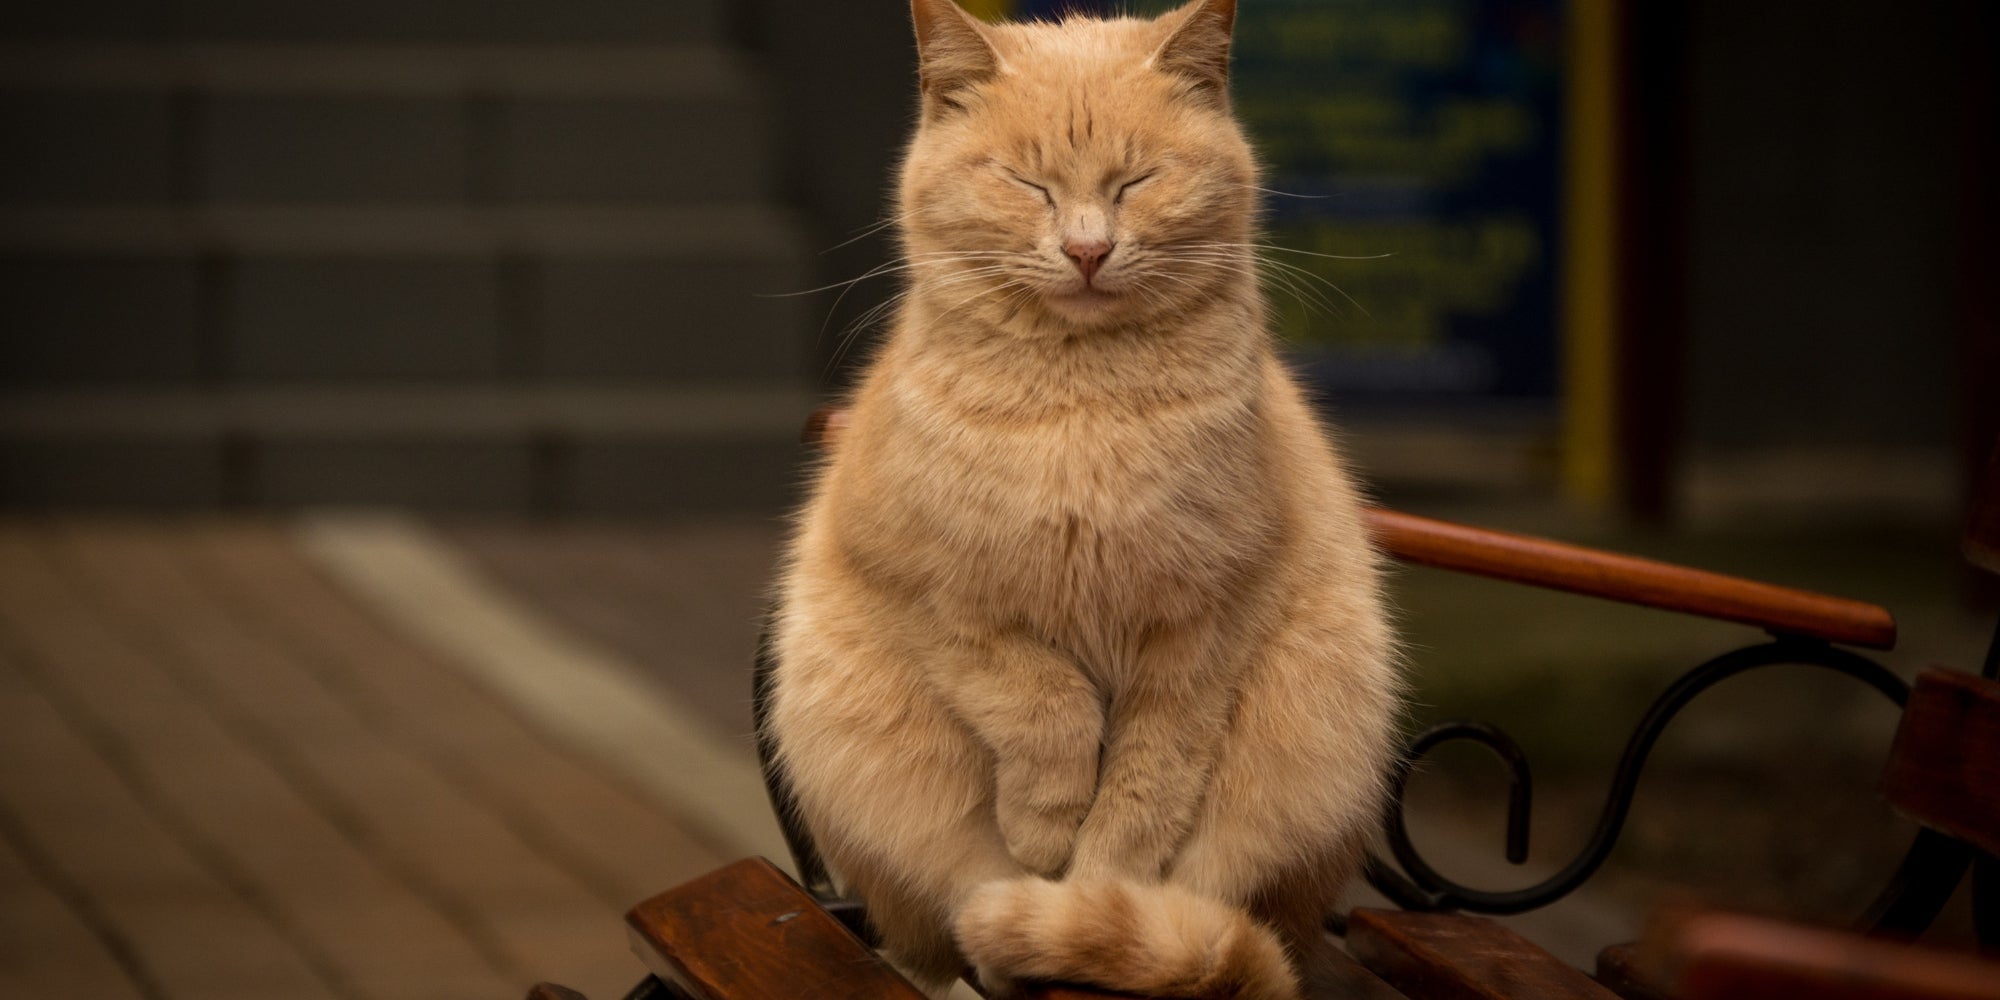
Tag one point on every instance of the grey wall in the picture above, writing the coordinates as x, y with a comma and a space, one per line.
846, 75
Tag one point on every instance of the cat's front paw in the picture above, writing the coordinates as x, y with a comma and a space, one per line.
1041, 840
993, 983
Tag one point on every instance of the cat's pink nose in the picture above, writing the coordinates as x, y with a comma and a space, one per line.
1088, 255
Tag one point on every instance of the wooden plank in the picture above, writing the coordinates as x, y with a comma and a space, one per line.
1944, 767
747, 930
550, 991
1720, 956
1333, 974
684, 603
1623, 970
589, 823
452, 893
1328, 974
172, 918
1591, 572
1451, 956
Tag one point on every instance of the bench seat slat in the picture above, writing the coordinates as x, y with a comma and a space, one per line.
1944, 767
1451, 956
747, 930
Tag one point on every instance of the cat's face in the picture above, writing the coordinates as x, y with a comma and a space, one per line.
1078, 175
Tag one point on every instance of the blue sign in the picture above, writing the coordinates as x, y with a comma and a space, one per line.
1413, 152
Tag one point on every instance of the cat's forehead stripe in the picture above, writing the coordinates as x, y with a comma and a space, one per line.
1075, 43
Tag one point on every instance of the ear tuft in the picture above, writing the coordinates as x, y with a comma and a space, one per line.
952, 52
1197, 45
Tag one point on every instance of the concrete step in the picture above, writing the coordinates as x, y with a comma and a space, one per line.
220, 295
229, 123
365, 20
552, 449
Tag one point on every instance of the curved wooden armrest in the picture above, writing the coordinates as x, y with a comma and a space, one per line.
1579, 570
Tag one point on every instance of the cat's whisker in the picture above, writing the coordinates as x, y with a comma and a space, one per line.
1014, 303
1312, 299
890, 267
867, 231
1321, 279
1004, 286
852, 332
1290, 276
1286, 194
1308, 253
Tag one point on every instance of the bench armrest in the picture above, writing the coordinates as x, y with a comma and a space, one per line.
1579, 570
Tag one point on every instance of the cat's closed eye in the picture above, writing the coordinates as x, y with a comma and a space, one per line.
1129, 185
1032, 186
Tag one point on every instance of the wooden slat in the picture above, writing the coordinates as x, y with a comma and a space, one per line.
1719, 956
1328, 974
1451, 956
550, 991
1944, 767
1623, 969
1335, 975
1579, 570
747, 930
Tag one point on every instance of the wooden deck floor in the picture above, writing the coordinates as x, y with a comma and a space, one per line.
222, 777
228, 770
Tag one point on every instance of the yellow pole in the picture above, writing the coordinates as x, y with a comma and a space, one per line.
1590, 267
988, 10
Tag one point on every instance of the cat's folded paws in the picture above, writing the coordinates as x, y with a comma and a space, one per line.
1041, 840
993, 984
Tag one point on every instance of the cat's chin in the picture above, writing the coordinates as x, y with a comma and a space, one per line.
1088, 304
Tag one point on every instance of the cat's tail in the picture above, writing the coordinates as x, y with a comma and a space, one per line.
1154, 939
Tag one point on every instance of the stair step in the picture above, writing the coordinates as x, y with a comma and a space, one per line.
103, 295
729, 231
475, 124
625, 69
550, 449
389, 20
393, 409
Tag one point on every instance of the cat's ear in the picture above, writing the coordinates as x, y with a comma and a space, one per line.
1197, 45
952, 52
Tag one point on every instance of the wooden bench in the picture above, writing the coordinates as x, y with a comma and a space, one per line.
748, 930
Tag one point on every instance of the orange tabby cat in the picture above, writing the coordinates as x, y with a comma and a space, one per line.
1082, 669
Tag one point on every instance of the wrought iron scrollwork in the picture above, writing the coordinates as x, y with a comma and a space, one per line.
1419, 885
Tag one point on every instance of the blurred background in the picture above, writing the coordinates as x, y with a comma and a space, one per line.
399, 405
